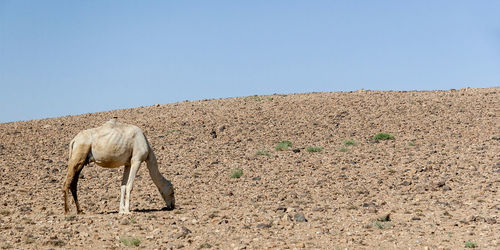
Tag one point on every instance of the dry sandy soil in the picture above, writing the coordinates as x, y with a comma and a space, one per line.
434, 185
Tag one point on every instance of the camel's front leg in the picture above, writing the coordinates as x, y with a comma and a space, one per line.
126, 172
130, 183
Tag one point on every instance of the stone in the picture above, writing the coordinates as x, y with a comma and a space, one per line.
299, 217
286, 218
183, 233
263, 225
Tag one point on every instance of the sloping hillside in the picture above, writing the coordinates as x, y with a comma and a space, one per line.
434, 185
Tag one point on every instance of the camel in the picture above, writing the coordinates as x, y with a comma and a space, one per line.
112, 145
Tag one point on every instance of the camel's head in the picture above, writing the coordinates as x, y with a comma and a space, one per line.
168, 196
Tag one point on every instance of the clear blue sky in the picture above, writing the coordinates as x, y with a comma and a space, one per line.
71, 57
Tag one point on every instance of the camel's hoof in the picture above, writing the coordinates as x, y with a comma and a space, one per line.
168, 208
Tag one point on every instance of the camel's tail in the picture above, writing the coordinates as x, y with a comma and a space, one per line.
71, 148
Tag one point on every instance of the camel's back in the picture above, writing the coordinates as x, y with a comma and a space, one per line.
115, 142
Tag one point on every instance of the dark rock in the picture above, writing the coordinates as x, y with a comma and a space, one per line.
384, 218
491, 221
299, 217
296, 150
257, 178
214, 134
25, 209
415, 218
263, 225
475, 218
184, 232
282, 209
56, 243
440, 184
370, 204
406, 183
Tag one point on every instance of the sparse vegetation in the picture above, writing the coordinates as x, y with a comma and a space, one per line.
314, 149
470, 244
132, 220
5, 212
383, 137
174, 131
343, 149
380, 225
131, 242
257, 98
237, 173
349, 142
205, 245
352, 207
283, 146
263, 152
6, 246
411, 143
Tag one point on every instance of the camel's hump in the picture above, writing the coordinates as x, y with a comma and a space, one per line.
112, 120
113, 123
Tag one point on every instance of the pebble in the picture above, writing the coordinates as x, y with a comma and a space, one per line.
183, 233
299, 217
264, 225
125, 221
286, 218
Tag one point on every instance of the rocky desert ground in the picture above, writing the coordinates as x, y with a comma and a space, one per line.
434, 185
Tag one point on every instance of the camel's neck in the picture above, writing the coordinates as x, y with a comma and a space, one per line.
163, 185
154, 172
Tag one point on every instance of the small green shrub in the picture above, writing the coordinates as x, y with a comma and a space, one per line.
349, 142
352, 207
131, 242
411, 143
314, 149
343, 149
174, 131
263, 152
255, 98
5, 212
380, 225
205, 245
470, 244
283, 146
237, 173
383, 137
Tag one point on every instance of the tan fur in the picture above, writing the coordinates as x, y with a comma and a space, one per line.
113, 145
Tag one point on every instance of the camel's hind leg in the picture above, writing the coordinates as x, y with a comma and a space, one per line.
77, 161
